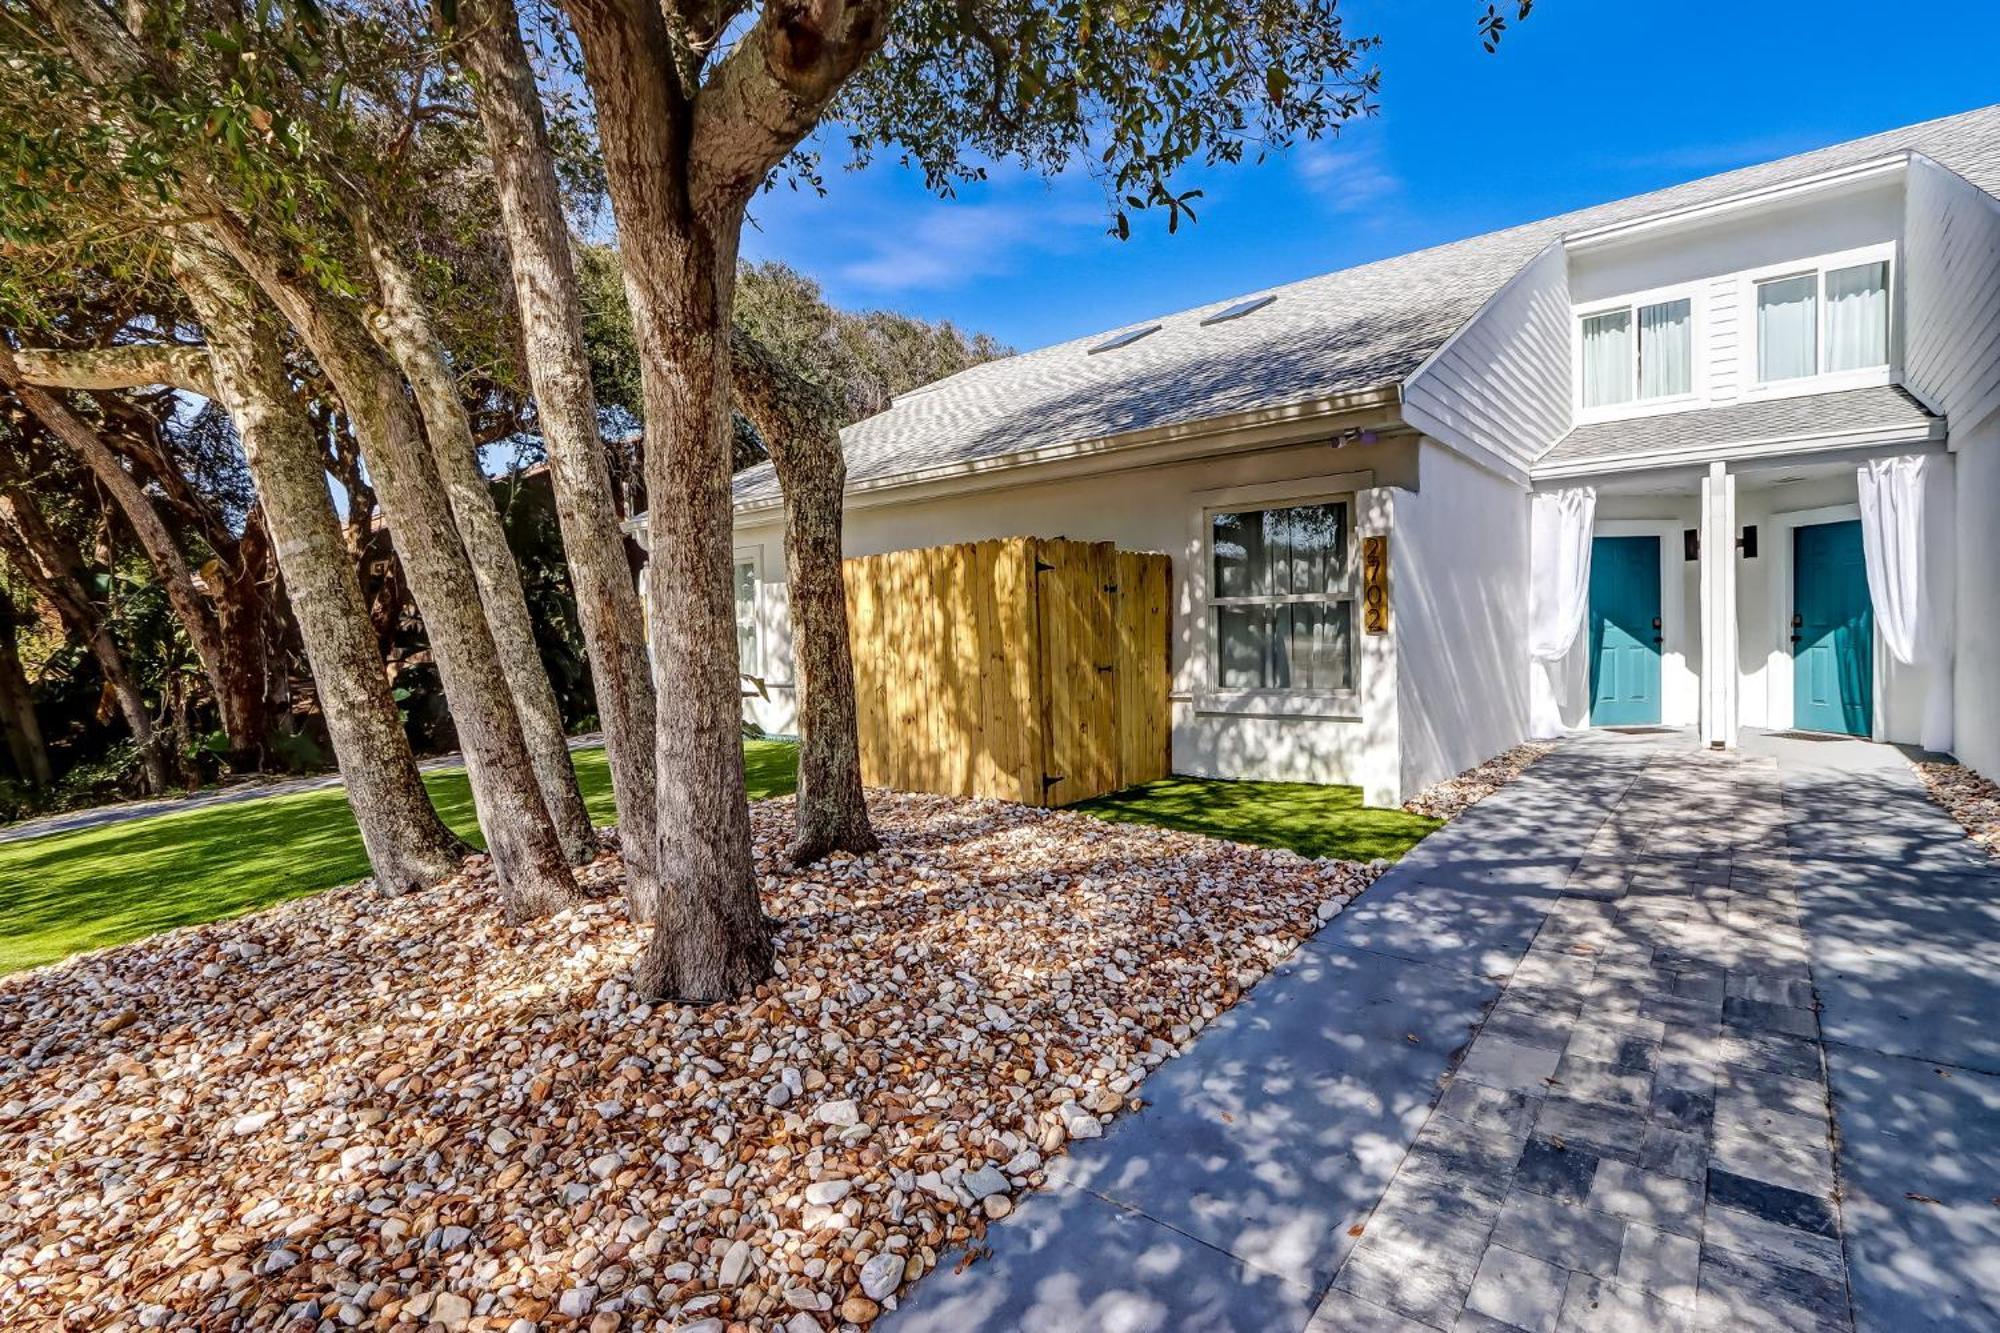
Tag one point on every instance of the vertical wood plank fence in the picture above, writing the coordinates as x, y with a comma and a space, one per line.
1029, 669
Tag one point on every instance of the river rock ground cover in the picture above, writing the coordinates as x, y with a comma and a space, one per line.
1451, 798
1971, 799
352, 1111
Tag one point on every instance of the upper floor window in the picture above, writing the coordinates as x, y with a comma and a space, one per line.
1823, 322
1282, 597
1638, 352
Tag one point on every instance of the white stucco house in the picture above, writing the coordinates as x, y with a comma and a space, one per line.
1622, 457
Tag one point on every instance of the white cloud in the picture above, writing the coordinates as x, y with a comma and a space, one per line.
1346, 177
1718, 156
951, 242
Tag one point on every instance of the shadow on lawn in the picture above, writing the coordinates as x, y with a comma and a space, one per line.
91, 888
1309, 819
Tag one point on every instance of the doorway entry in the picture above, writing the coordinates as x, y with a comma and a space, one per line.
1625, 633
1833, 631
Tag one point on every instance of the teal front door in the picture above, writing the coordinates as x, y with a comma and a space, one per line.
1624, 631
1833, 631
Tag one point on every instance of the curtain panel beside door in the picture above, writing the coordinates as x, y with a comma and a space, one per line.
1906, 537
1561, 524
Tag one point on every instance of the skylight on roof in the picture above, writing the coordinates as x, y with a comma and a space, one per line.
1239, 310
1125, 339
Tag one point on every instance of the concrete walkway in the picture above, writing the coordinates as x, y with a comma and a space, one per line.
1562, 1069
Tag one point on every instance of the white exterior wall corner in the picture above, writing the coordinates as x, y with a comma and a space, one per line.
1976, 683
1951, 358
1500, 387
1951, 338
1459, 607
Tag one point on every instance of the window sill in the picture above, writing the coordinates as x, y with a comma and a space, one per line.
1343, 707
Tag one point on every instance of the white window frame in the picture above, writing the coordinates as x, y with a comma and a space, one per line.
1211, 696
1635, 406
1823, 380
753, 556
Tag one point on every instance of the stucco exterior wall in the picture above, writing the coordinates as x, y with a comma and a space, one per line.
1977, 681
1459, 564
1149, 508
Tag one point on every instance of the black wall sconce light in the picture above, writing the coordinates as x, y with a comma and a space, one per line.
1691, 544
1747, 543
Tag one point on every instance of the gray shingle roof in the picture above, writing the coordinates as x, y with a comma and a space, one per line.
1360, 328
1884, 408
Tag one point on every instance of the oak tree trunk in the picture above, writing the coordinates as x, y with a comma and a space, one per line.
25, 744
196, 619
408, 844
402, 325
545, 287
52, 569
796, 419
528, 858
711, 939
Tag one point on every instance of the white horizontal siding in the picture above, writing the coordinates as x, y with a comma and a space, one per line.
1725, 341
1951, 295
1501, 387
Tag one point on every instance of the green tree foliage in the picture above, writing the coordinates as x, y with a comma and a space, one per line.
866, 358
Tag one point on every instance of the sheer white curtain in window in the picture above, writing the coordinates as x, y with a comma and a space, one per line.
1666, 344
1906, 540
1560, 526
1788, 328
1607, 358
1857, 317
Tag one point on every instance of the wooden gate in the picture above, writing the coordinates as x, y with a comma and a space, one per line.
1029, 669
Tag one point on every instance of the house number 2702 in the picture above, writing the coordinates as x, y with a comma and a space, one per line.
1375, 584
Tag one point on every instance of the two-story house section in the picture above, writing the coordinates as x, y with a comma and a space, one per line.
1722, 456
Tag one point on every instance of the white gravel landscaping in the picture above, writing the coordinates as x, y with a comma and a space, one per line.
358, 1112
1972, 800
1455, 795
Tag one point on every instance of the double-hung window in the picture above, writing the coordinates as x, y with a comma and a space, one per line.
1823, 322
1282, 590
1638, 352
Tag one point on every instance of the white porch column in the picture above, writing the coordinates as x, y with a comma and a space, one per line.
1719, 667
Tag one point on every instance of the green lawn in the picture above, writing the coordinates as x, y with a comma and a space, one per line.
69, 892
1310, 820
84, 890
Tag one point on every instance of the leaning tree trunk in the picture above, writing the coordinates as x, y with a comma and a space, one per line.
25, 744
711, 939
197, 621
408, 844
402, 326
607, 599
51, 567
796, 419
527, 857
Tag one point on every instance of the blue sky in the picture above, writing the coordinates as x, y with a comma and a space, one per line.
1587, 101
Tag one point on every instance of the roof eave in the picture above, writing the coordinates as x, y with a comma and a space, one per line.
1255, 428
1860, 437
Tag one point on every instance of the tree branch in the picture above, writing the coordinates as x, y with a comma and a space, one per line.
770, 92
131, 366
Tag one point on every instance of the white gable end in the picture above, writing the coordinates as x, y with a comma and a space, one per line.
1500, 388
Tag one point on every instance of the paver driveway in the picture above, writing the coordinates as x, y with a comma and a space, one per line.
1563, 1069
